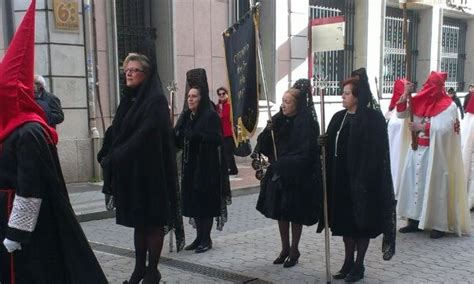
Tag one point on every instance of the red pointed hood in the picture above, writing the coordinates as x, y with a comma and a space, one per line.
17, 103
432, 99
398, 89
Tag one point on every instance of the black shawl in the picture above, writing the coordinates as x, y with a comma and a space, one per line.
203, 167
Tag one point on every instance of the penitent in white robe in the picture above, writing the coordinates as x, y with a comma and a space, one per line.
467, 146
399, 141
433, 184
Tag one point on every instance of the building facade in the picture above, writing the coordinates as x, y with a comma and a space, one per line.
83, 66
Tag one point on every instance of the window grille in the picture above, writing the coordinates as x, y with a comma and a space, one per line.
394, 64
133, 27
334, 65
453, 52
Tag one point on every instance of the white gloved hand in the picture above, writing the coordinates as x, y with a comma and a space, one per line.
11, 246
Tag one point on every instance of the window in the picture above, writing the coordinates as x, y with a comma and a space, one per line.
394, 63
453, 53
335, 66
133, 27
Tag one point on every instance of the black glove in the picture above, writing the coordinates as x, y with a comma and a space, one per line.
105, 162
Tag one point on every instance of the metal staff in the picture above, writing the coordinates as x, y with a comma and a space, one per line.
414, 137
320, 85
379, 96
172, 88
262, 69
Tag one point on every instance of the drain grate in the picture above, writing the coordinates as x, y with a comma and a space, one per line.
184, 265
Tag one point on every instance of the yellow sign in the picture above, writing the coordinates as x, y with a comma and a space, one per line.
66, 15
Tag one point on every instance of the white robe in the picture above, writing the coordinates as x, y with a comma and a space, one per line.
433, 184
399, 142
467, 141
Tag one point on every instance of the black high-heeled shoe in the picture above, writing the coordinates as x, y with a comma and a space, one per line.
356, 274
204, 247
136, 277
152, 276
291, 261
281, 258
193, 245
345, 269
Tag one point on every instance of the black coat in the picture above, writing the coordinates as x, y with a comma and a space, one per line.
291, 189
139, 161
360, 191
51, 106
56, 251
204, 180
143, 167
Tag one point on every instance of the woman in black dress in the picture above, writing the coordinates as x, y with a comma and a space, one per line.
204, 178
138, 157
361, 200
291, 189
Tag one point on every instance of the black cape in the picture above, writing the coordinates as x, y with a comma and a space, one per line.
292, 189
364, 175
57, 251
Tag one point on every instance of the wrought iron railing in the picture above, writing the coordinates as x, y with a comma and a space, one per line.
453, 52
334, 65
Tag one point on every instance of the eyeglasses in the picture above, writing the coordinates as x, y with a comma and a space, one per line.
132, 70
222, 93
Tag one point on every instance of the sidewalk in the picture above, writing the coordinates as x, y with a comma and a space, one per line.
88, 202
243, 253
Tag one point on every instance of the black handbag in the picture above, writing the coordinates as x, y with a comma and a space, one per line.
243, 149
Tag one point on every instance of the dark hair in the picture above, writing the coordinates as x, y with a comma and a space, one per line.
195, 87
451, 90
354, 81
222, 89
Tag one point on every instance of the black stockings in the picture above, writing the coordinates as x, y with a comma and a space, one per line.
203, 230
350, 245
296, 229
146, 240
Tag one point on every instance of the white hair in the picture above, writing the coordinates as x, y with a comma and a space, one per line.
40, 79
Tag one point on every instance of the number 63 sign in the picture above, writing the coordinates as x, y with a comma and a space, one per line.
66, 15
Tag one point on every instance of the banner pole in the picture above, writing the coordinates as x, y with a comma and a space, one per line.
262, 69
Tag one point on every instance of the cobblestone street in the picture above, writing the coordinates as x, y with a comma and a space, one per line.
245, 249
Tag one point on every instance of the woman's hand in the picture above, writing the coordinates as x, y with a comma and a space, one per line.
323, 140
105, 162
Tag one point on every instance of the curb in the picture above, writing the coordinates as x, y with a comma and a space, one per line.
101, 215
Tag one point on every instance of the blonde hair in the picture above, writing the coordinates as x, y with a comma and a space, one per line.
142, 59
